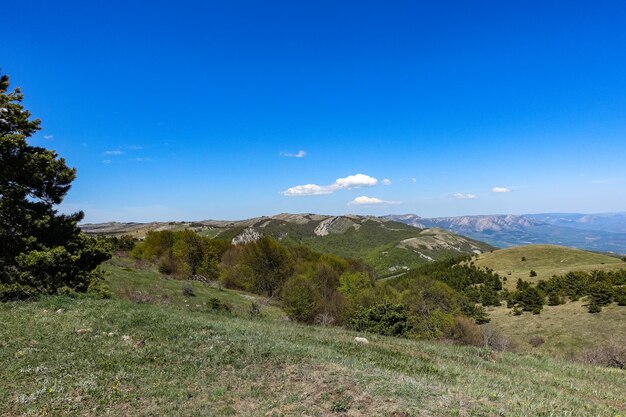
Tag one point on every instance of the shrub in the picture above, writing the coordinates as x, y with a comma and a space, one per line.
620, 296
98, 289
15, 292
431, 306
217, 304
536, 341
532, 273
594, 307
166, 266
254, 310
187, 290
601, 293
611, 354
300, 298
494, 339
555, 299
323, 319
66, 291
341, 405
269, 265
526, 297
464, 331
138, 296
386, 319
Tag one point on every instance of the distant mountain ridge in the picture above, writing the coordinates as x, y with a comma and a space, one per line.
596, 232
389, 246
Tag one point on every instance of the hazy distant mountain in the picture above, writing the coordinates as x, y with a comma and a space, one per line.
607, 222
388, 246
598, 232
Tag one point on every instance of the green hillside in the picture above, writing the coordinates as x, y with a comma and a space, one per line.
67, 357
130, 281
566, 329
389, 247
545, 260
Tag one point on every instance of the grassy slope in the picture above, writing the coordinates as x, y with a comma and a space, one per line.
546, 260
203, 363
200, 362
126, 278
567, 329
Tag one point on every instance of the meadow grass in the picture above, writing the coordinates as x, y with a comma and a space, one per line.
175, 355
64, 356
567, 329
128, 278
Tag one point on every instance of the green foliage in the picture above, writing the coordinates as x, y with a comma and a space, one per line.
532, 273
42, 251
300, 297
122, 243
620, 296
601, 293
555, 299
218, 305
341, 405
594, 307
386, 319
475, 311
602, 286
431, 306
268, 265
99, 290
183, 253
527, 298
470, 284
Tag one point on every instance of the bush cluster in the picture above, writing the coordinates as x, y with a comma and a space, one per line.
182, 253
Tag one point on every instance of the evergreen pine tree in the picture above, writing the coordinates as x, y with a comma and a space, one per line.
41, 250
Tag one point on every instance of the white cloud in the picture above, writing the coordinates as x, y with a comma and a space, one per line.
299, 154
386, 181
464, 196
307, 189
354, 181
500, 190
349, 182
48, 137
413, 180
368, 201
115, 152
106, 161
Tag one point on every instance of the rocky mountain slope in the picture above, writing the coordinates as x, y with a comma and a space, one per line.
605, 233
390, 247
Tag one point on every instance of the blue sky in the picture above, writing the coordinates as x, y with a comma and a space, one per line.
184, 110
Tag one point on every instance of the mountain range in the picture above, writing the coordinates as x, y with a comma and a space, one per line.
388, 246
596, 232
